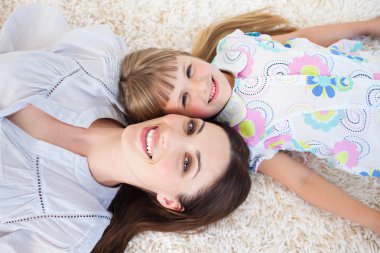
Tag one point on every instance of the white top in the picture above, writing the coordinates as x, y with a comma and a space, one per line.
49, 202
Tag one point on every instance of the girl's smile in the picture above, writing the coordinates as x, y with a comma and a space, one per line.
200, 89
213, 91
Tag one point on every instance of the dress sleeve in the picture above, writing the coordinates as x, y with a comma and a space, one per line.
32, 27
232, 55
94, 48
87, 41
237, 52
28, 76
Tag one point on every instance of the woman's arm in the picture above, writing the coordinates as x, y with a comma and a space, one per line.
326, 35
45, 127
316, 190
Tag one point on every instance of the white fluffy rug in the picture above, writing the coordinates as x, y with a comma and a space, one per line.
273, 219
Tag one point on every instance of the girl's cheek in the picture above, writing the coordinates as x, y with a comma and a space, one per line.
199, 111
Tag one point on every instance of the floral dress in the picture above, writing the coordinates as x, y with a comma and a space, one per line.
303, 97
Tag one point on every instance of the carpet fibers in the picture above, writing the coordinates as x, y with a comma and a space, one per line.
272, 219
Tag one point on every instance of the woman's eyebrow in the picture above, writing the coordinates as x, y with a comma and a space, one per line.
201, 127
198, 155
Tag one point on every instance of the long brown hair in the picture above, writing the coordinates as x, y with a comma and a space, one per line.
135, 211
206, 41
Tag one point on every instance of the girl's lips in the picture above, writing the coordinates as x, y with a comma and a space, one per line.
213, 81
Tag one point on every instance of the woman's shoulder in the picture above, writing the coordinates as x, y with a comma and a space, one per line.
97, 41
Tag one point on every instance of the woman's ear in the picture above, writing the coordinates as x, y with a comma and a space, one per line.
170, 203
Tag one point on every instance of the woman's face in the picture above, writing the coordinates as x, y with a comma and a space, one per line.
175, 155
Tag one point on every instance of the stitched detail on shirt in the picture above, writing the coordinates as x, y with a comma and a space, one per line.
361, 75
97, 79
39, 183
57, 216
60, 81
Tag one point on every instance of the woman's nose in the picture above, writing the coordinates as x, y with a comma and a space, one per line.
171, 138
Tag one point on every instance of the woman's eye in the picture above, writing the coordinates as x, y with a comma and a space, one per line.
185, 96
188, 71
190, 127
186, 163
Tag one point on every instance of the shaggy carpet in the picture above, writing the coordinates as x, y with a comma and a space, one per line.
272, 219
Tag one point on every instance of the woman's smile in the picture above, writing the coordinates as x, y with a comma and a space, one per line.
149, 137
165, 154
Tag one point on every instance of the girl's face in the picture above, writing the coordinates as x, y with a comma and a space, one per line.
175, 155
200, 89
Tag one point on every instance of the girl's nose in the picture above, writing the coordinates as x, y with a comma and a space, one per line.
200, 86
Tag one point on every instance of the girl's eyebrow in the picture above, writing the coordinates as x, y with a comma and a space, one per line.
180, 101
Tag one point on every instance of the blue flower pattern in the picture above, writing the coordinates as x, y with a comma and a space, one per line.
327, 85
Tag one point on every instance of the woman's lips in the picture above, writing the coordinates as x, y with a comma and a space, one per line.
148, 138
143, 136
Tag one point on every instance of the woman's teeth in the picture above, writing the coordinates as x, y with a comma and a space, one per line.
149, 137
212, 93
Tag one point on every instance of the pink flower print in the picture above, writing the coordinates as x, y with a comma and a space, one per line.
346, 153
308, 65
252, 128
276, 143
376, 76
248, 67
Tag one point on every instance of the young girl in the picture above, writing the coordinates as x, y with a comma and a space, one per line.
293, 96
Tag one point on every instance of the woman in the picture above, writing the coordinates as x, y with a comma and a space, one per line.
63, 160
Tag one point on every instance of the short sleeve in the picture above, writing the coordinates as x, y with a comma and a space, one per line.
32, 27
92, 41
92, 46
238, 52
232, 54
26, 76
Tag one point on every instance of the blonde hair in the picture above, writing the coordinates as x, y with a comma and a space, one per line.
206, 41
144, 87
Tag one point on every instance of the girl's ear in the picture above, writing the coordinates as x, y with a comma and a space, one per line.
170, 203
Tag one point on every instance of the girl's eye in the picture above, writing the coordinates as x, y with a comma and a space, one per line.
191, 126
188, 71
186, 163
185, 96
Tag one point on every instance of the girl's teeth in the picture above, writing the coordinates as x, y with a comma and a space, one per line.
212, 93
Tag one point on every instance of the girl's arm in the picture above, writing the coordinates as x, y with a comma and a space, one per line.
326, 35
316, 190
